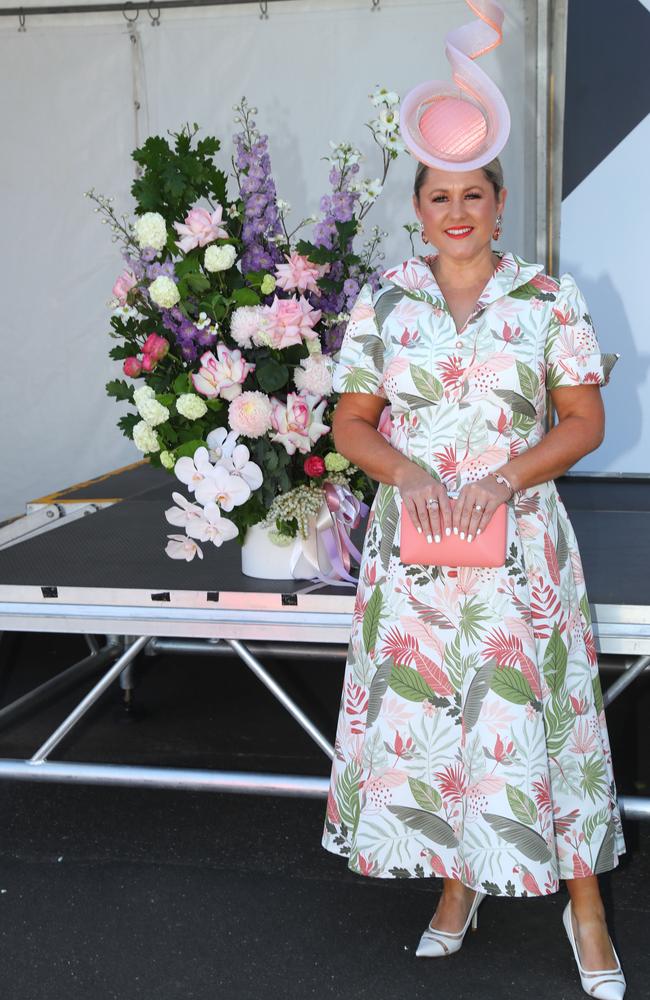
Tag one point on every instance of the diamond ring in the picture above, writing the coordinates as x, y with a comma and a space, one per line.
431, 502
477, 506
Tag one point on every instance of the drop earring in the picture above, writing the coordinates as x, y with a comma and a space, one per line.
422, 235
497, 230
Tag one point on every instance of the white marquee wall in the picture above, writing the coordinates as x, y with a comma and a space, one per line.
67, 92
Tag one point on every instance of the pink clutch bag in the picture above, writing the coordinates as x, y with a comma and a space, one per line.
486, 549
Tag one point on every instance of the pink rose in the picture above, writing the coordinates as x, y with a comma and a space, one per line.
132, 367
156, 347
200, 227
289, 320
122, 286
314, 466
148, 363
300, 273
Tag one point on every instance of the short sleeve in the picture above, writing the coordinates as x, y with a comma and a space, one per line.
572, 354
359, 364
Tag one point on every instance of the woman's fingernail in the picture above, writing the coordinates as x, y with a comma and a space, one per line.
447, 531
419, 530
462, 534
455, 531
437, 537
429, 538
469, 538
478, 531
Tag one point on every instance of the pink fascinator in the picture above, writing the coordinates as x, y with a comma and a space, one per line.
460, 127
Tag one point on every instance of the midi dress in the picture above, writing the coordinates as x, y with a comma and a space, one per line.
471, 740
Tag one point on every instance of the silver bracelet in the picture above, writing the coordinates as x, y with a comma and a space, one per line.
499, 478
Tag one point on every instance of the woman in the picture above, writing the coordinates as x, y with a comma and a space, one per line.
464, 345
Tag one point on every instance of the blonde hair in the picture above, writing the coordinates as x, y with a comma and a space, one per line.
492, 170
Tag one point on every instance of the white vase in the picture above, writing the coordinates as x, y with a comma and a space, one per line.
263, 558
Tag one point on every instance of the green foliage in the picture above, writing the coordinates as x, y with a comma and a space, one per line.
176, 176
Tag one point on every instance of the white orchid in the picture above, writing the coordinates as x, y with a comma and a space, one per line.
213, 527
181, 547
221, 443
185, 514
192, 471
220, 486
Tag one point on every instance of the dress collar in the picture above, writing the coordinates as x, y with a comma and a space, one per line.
414, 275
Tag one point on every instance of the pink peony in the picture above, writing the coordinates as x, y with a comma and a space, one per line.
250, 414
132, 367
289, 320
123, 285
148, 363
155, 346
298, 423
200, 227
300, 273
222, 375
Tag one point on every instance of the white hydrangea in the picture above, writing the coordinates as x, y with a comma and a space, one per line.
153, 412
145, 438
219, 258
314, 376
143, 392
191, 406
163, 292
150, 230
167, 459
314, 346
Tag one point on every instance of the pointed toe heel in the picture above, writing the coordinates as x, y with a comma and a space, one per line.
435, 943
604, 984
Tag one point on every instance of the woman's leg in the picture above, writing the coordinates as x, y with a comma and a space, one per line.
589, 925
453, 907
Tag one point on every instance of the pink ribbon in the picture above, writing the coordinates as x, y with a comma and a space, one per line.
330, 539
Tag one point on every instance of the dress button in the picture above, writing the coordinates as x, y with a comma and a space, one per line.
459, 343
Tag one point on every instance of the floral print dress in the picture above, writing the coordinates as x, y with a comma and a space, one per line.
471, 739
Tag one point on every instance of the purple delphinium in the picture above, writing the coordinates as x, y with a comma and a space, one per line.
257, 189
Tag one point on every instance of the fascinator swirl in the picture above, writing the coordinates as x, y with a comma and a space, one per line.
465, 124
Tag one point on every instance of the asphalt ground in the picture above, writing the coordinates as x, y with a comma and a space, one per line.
116, 893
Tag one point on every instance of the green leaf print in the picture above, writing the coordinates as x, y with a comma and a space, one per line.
511, 685
592, 823
378, 689
598, 693
530, 291
522, 425
347, 796
426, 383
359, 380
555, 661
453, 663
528, 381
594, 778
517, 402
528, 841
388, 524
606, 857
522, 806
414, 402
473, 433
585, 609
479, 687
559, 719
371, 619
409, 684
373, 347
562, 547
433, 827
426, 796
471, 615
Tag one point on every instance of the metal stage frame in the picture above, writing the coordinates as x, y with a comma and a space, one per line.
304, 620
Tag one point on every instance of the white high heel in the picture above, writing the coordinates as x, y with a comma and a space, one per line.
435, 943
606, 984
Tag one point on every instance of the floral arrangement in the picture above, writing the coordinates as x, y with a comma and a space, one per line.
228, 326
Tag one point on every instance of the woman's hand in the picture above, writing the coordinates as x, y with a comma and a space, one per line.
416, 487
476, 504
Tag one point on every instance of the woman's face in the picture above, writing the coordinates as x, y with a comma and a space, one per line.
458, 210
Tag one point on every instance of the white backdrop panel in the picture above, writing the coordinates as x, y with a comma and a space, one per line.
308, 69
604, 225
